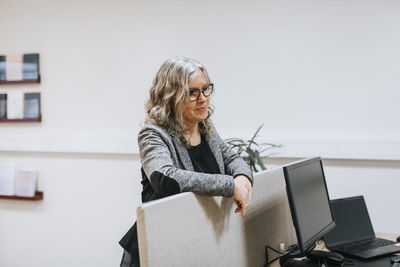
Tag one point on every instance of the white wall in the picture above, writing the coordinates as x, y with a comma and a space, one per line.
322, 76
310, 70
89, 203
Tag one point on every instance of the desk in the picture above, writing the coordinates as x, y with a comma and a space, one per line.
321, 246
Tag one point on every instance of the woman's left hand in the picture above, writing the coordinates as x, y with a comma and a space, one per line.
242, 194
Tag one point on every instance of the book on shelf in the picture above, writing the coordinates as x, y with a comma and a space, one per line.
3, 106
15, 105
14, 67
26, 183
3, 68
19, 67
7, 179
32, 105
30, 67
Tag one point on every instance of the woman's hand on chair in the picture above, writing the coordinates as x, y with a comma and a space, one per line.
242, 194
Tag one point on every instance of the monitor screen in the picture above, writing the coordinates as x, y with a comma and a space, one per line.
309, 201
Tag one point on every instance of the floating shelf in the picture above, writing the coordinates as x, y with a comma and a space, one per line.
20, 81
38, 196
22, 120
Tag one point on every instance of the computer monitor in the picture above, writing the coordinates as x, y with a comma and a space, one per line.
309, 201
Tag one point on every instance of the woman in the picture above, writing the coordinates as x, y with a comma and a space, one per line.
180, 149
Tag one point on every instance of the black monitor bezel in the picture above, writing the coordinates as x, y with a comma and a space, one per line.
305, 245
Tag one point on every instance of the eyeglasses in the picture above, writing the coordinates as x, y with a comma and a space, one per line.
207, 90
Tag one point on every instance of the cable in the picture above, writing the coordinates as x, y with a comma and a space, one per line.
268, 263
271, 261
271, 248
293, 248
266, 255
290, 250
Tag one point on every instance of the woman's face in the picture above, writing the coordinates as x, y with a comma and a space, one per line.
196, 111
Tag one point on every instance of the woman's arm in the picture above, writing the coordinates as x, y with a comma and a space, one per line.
238, 168
234, 164
166, 178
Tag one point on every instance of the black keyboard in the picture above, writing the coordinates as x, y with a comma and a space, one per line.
367, 245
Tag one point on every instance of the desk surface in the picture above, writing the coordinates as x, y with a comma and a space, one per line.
321, 246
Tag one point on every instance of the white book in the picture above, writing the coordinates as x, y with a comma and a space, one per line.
25, 183
15, 105
14, 67
7, 180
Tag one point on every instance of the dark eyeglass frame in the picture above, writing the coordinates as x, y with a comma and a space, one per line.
203, 91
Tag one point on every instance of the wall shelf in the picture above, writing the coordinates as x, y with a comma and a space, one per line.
22, 120
20, 81
38, 196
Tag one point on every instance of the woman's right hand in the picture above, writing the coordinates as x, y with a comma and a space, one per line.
242, 194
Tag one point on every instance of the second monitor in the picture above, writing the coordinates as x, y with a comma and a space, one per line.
310, 207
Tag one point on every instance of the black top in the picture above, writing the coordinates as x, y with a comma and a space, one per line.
203, 159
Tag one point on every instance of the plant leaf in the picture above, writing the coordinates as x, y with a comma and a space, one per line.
259, 160
255, 134
250, 150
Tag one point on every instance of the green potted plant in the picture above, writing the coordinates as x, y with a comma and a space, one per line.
251, 151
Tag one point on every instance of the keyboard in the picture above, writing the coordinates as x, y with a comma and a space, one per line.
366, 245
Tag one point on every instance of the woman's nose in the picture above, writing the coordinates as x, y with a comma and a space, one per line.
202, 98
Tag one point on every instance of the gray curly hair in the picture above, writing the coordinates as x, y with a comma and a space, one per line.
169, 94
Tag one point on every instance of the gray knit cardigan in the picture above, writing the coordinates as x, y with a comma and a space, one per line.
167, 164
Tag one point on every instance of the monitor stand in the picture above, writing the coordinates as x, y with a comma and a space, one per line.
314, 258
